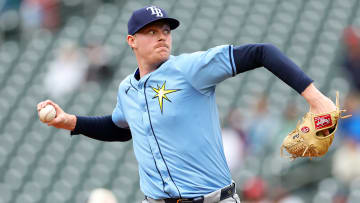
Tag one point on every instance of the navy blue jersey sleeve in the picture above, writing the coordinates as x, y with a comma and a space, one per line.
251, 56
101, 128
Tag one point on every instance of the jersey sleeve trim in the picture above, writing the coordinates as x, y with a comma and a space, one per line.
232, 62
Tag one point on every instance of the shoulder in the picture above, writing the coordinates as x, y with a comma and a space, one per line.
185, 56
125, 82
209, 53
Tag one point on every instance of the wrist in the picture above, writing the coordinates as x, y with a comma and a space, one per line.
312, 95
72, 119
318, 102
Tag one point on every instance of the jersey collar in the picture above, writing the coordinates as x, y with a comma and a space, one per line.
140, 81
137, 74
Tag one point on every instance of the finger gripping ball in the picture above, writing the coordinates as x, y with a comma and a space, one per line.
47, 113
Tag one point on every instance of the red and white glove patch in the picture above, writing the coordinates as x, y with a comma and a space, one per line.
323, 121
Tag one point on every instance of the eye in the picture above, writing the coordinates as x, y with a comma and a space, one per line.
166, 31
151, 32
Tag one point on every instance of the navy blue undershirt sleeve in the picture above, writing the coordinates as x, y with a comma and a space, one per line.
101, 128
251, 56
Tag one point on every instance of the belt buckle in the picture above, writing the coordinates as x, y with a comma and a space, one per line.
184, 201
227, 191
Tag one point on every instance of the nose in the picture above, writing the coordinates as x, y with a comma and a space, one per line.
162, 36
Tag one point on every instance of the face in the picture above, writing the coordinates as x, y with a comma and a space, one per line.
152, 44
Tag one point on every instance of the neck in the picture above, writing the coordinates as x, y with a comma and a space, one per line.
145, 68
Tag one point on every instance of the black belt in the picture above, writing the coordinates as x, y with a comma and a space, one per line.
226, 192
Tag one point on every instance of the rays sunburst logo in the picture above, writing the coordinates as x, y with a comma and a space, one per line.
161, 93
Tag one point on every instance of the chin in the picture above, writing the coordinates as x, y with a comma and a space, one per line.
164, 56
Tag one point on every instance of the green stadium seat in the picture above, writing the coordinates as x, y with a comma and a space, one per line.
25, 198
34, 190
6, 192
71, 174
91, 183
55, 196
78, 160
64, 188
13, 177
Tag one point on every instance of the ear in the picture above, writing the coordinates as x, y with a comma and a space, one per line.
131, 41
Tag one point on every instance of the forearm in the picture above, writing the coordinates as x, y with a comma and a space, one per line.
251, 56
100, 128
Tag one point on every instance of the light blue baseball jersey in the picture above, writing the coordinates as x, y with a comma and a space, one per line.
173, 118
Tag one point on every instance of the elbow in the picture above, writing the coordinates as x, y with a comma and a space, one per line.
123, 138
268, 52
269, 47
127, 138
126, 135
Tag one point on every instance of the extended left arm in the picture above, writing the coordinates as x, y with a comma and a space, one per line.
251, 56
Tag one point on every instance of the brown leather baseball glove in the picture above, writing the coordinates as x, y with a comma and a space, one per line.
308, 138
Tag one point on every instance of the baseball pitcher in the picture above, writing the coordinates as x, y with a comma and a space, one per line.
167, 107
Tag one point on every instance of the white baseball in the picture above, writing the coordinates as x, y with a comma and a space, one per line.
47, 113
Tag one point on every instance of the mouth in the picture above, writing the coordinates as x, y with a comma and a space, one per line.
162, 46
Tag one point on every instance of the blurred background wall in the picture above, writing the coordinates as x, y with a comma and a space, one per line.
75, 53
